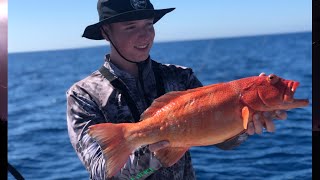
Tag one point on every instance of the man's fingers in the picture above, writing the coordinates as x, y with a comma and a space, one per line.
281, 114
270, 125
268, 119
250, 129
257, 123
158, 145
262, 74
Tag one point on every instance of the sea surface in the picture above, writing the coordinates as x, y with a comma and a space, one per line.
39, 146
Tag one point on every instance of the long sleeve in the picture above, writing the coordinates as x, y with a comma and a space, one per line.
82, 113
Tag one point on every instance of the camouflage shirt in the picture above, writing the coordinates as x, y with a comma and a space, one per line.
94, 100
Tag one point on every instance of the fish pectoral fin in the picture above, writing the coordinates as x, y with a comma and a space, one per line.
169, 156
245, 116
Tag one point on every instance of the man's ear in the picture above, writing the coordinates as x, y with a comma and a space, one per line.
105, 29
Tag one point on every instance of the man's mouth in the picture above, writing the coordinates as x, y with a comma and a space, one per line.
143, 46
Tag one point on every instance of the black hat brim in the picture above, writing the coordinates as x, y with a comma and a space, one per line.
93, 31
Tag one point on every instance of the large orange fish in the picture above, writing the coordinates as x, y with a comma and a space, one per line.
197, 117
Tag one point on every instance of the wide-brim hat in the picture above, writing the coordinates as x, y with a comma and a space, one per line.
112, 11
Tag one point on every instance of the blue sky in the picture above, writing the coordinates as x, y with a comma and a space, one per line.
48, 25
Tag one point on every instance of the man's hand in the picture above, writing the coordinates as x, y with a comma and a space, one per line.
265, 120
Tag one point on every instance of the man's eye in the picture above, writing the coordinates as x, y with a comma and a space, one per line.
129, 27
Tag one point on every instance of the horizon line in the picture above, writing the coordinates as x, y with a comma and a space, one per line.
167, 41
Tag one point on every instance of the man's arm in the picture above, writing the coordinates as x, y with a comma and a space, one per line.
82, 113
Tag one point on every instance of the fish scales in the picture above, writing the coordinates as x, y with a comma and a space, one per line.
197, 117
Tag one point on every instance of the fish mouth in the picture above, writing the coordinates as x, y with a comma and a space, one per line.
290, 91
288, 96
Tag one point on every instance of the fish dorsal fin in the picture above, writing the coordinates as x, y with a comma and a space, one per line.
245, 116
166, 99
161, 102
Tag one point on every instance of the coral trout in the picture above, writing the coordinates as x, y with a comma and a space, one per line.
197, 117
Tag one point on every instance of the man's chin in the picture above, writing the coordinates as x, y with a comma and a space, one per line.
141, 58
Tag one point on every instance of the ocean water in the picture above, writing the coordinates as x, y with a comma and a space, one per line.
39, 146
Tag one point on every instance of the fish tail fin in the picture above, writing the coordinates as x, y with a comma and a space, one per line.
115, 147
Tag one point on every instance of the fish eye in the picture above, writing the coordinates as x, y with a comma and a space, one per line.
273, 78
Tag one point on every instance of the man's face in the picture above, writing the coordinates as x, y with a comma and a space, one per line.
133, 39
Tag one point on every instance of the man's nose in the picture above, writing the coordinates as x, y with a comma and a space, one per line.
145, 32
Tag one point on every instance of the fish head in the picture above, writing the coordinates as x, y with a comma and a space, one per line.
268, 93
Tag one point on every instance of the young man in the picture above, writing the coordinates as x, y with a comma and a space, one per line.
126, 85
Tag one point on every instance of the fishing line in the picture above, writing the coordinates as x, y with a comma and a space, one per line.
14, 172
